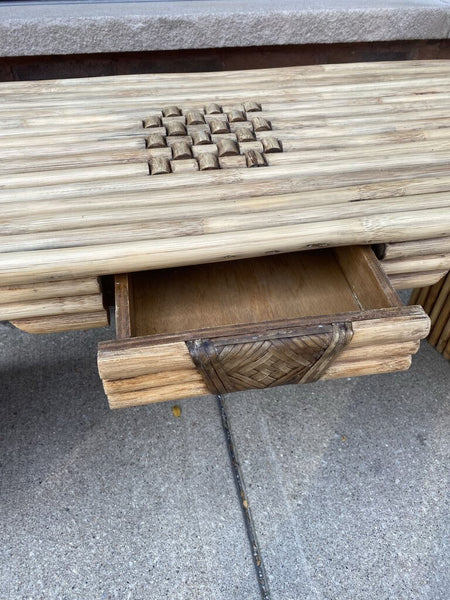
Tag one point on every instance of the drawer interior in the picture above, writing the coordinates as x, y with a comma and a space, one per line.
277, 287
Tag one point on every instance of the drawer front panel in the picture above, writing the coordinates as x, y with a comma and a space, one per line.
138, 371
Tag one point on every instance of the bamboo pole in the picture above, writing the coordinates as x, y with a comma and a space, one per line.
414, 296
191, 375
433, 293
440, 301
406, 281
59, 323
440, 313
192, 94
352, 354
161, 394
118, 361
445, 335
375, 70
50, 307
368, 367
293, 154
40, 291
324, 126
243, 183
446, 352
417, 248
440, 327
434, 262
322, 74
185, 389
154, 380
122, 257
13, 116
311, 137
193, 218
422, 296
277, 193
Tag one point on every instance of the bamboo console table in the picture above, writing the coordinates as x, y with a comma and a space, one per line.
236, 211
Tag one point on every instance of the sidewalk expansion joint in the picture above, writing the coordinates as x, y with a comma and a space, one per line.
244, 502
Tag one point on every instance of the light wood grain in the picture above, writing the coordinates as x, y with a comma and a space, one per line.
161, 394
249, 291
117, 361
440, 314
414, 264
51, 307
351, 354
407, 281
368, 367
416, 248
440, 301
154, 380
160, 253
66, 322
39, 291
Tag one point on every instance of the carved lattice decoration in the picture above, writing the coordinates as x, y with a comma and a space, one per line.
215, 137
297, 355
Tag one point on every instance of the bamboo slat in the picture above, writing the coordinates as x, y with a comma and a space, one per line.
59, 323
185, 388
416, 248
51, 307
41, 291
413, 264
406, 281
371, 367
436, 302
155, 253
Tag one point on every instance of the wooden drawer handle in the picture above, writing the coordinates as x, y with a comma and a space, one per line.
279, 357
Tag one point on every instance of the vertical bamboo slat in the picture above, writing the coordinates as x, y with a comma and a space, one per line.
436, 302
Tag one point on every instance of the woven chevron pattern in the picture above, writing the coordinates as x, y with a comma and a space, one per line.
234, 365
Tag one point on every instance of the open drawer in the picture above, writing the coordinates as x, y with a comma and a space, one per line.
255, 323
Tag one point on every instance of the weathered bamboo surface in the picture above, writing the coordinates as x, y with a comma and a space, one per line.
436, 302
138, 371
416, 263
365, 159
54, 306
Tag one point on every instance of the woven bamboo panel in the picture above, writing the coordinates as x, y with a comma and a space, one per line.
257, 363
365, 159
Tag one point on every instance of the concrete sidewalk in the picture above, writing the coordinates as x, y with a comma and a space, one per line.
346, 481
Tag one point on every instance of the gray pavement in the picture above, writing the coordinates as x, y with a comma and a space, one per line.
347, 484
